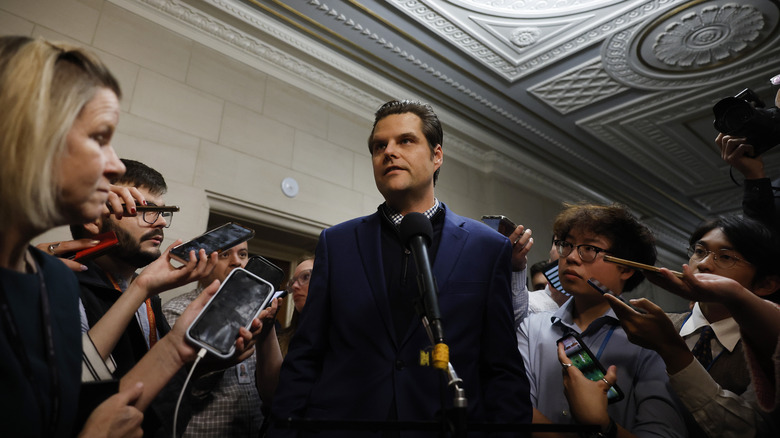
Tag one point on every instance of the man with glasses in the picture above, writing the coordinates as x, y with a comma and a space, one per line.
585, 233
703, 349
109, 276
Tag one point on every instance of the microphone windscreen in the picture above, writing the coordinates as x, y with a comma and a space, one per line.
416, 224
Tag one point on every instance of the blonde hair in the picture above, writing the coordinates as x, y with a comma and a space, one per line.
44, 87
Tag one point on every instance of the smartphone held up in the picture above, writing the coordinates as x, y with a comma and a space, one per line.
582, 358
238, 301
500, 223
216, 240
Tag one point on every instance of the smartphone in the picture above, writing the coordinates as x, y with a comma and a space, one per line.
140, 207
595, 284
107, 241
500, 223
219, 239
266, 270
585, 361
550, 272
637, 265
238, 301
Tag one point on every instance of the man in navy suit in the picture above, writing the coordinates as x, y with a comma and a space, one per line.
356, 355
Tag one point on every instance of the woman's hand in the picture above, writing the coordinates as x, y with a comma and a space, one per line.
118, 195
66, 247
160, 275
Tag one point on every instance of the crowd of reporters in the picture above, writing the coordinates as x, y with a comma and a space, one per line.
95, 353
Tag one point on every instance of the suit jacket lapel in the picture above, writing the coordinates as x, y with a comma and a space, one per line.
453, 237
370, 252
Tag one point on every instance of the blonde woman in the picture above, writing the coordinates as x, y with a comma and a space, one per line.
60, 108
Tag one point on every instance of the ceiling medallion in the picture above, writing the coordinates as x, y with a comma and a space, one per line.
697, 44
714, 34
523, 37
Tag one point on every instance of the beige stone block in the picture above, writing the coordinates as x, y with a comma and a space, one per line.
254, 180
52, 35
349, 130
177, 105
74, 19
224, 77
125, 72
140, 127
143, 42
295, 107
257, 135
176, 164
454, 175
363, 175
370, 204
319, 158
11, 24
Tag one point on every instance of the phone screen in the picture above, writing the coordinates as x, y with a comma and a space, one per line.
582, 358
551, 274
238, 300
218, 239
500, 223
266, 270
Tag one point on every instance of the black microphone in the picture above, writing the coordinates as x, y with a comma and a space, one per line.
416, 235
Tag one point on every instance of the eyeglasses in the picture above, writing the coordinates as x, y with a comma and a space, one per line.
724, 258
302, 279
587, 253
150, 217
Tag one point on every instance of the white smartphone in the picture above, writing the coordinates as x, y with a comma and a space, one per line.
238, 301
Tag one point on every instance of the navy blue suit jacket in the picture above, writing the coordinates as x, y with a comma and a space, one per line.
345, 361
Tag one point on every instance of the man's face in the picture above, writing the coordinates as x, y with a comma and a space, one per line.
402, 160
235, 257
139, 242
716, 241
574, 273
538, 281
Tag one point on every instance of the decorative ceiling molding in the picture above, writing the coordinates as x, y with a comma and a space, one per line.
579, 87
525, 8
357, 101
612, 17
697, 44
506, 113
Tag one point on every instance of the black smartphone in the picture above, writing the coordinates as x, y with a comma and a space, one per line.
500, 223
550, 272
266, 270
219, 239
141, 208
595, 284
238, 301
582, 358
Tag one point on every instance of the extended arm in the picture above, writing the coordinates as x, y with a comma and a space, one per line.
157, 277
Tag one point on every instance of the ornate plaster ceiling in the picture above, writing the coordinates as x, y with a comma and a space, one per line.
599, 100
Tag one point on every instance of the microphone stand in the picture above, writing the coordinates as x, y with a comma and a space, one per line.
459, 401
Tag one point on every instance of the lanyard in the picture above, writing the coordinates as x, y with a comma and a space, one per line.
605, 342
149, 313
15, 338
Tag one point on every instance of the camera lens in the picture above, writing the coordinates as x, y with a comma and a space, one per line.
731, 115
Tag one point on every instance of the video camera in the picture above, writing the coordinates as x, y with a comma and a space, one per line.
745, 115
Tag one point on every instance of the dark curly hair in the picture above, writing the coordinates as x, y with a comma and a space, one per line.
630, 238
